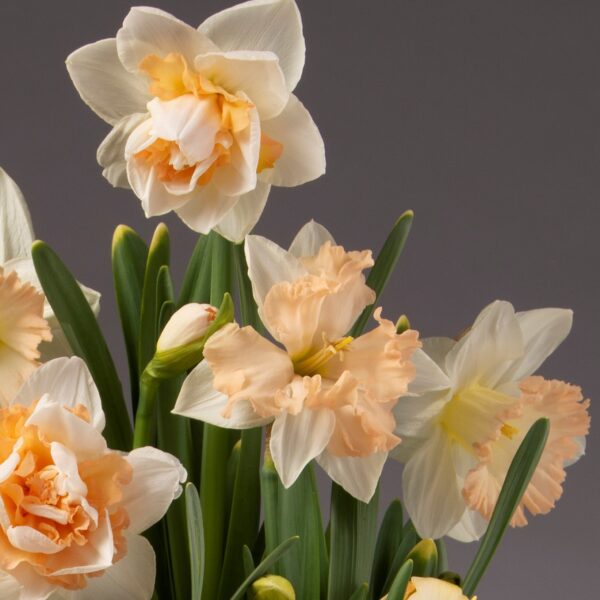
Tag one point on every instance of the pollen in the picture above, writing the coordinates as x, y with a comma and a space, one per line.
509, 431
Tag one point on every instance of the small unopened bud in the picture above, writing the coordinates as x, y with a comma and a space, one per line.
188, 325
272, 587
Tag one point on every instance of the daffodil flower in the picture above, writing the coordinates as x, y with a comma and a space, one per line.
71, 509
16, 238
328, 396
429, 588
472, 403
204, 120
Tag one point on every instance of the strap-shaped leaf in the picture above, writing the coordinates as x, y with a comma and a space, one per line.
425, 559
409, 539
384, 265
362, 593
85, 338
400, 583
195, 532
264, 567
517, 479
197, 266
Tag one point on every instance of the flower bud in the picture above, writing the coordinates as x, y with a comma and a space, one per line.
272, 587
188, 325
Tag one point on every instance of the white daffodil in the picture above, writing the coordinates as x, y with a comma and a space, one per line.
71, 509
472, 403
204, 120
16, 237
328, 396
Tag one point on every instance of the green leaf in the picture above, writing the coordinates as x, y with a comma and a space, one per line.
197, 269
517, 479
425, 559
362, 593
409, 539
249, 310
248, 561
400, 583
388, 540
264, 566
384, 265
158, 256
269, 487
353, 535
442, 556
86, 340
195, 540
129, 256
299, 513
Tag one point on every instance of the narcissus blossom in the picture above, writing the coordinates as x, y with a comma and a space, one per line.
429, 588
189, 324
16, 238
204, 120
71, 509
327, 395
474, 401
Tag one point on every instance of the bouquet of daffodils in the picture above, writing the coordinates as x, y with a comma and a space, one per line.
263, 361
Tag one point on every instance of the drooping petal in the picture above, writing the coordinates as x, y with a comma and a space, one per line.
111, 152
16, 231
303, 157
66, 382
309, 239
199, 400
131, 578
269, 264
432, 491
297, 439
241, 219
103, 83
264, 25
149, 31
248, 367
255, 73
358, 475
156, 475
483, 352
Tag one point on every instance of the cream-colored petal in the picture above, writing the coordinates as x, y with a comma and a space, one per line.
10, 588
104, 84
157, 479
470, 528
16, 230
199, 400
482, 353
66, 382
297, 439
357, 475
248, 367
264, 25
429, 377
205, 208
309, 239
432, 491
149, 31
430, 588
437, 348
256, 74
111, 152
241, 219
303, 157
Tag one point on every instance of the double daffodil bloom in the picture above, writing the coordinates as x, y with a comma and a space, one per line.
72, 510
16, 238
474, 401
327, 395
204, 120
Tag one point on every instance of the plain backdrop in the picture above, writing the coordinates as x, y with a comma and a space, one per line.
482, 116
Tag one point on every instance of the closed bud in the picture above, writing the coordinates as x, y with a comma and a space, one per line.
188, 325
272, 587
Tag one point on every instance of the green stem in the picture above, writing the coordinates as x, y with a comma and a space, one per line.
145, 418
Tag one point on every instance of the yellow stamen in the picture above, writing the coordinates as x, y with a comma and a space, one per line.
313, 363
508, 431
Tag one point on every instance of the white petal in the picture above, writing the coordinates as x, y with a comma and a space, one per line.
309, 240
199, 400
432, 491
429, 377
272, 25
157, 479
297, 439
484, 351
269, 264
303, 157
16, 231
357, 475
257, 74
437, 348
543, 331
104, 84
149, 30
470, 528
67, 382
34, 586
9, 587
111, 152
30, 540
131, 578
241, 219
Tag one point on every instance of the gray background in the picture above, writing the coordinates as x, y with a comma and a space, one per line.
481, 116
